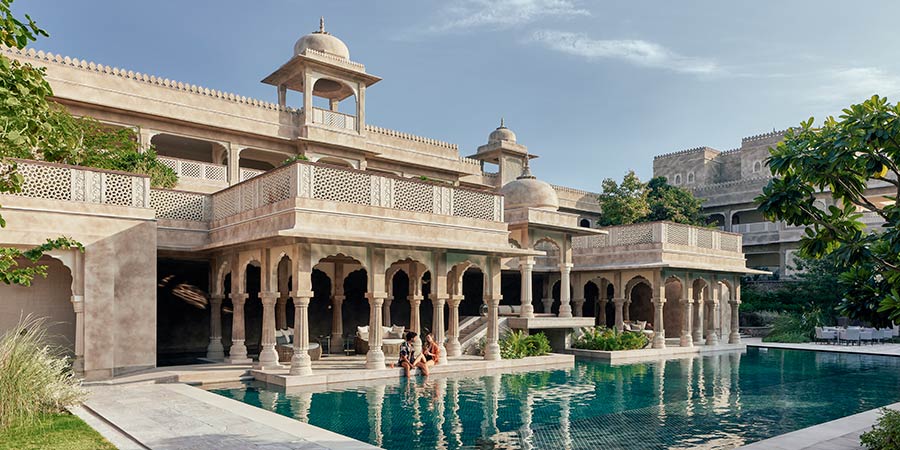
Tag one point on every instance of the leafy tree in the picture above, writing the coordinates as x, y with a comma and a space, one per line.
24, 119
843, 158
634, 201
673, 203
814, 289
623, 203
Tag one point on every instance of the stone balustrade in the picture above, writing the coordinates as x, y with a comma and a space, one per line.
334, 119
181, 205
247, 174
317, 181
662, 233
83, 184
185, 168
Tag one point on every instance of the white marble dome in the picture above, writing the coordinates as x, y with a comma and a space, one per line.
529, 192
323, 42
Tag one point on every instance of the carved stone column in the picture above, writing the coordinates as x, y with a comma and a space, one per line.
627, 310
268, 357
525, 269
687, 317
301, 364
735, 336
453, 348
415, 322
281, 312
78, 307
698, 316
237, 354
712, 338
565, 307
386, 311
659, 338
375, 356
602, 307
438, 326
620, 321
492, 346
578, 307
215, 350
337, 324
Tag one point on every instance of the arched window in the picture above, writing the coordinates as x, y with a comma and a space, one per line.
690, 178
677, 180
585, 223
757, 166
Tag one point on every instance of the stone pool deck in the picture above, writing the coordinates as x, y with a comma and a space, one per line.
178, 416
653, 354
874, 349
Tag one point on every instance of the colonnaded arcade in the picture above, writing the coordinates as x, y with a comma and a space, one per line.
309, 219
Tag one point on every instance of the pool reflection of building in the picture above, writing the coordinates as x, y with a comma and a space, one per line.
368, 226
534, 410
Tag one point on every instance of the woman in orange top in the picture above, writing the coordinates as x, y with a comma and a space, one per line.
431, 351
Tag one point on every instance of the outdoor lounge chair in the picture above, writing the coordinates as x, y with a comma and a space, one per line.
866, 335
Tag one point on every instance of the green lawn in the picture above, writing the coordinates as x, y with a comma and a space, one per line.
56, 431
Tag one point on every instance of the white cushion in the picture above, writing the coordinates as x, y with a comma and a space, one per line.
364, 329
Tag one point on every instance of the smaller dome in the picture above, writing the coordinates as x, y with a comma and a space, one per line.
323, 42
502, 134
529, 192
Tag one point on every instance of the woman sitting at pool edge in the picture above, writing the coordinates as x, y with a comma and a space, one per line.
431, 351
407, 356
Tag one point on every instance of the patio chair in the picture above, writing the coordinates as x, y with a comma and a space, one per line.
850, 335
886, 335
866, 335
823, 335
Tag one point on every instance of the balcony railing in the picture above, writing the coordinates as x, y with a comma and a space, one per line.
755, 227
180, 205
247, 174
317, 181
185, 168
661, 232
83, 184
334, 119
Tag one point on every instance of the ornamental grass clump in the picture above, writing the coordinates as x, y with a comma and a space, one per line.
517, 345
608, 339
35, 376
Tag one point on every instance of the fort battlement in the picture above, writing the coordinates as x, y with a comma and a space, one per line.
686, 152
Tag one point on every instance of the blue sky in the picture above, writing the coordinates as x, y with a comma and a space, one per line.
596, 88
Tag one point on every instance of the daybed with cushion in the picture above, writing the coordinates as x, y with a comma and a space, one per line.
284, 345
391, 338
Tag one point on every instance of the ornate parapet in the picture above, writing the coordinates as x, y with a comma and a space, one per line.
83, 184
662, 233
323, 182
181, 205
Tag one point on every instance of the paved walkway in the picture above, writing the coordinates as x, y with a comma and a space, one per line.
840, 434
178, 416
874, 349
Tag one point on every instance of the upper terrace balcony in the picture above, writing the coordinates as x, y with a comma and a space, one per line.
660, 244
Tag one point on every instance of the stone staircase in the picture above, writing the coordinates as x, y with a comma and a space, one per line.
472, 329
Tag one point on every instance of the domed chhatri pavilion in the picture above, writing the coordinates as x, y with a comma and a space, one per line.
298, 227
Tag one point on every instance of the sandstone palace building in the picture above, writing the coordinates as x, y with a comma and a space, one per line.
303, 220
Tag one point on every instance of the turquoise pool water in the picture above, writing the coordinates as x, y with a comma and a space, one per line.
718, 401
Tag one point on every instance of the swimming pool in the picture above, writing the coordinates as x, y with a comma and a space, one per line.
716, 401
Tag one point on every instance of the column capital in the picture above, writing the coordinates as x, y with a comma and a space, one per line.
78, 303
299, 294
301, 301
687, 300
238, 297
268, 297
657, 300
376, 298
526, 263
566, 267
493, 301
436, 300
734, 302
619, 301
338, 299
454, 301
218, 297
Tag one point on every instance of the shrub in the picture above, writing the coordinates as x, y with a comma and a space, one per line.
793, 328
608, 339
35, 377
758, 318
517, 344
885, 434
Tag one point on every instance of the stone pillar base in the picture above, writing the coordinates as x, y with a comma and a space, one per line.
527, 311
734, 338
238, 360
686, 341
215, 351
659, 341
453, 347
301, 364
375, 359
711, 338
268, 359
492, 352
336, 346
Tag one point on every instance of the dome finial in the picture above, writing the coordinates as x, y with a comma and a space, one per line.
322, 24
501, 122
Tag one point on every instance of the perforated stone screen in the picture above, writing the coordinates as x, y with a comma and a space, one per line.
178, 205
341, 186
473, 204
413, 196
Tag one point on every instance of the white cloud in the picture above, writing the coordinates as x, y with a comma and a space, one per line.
504, 13
638, 52
858, 83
